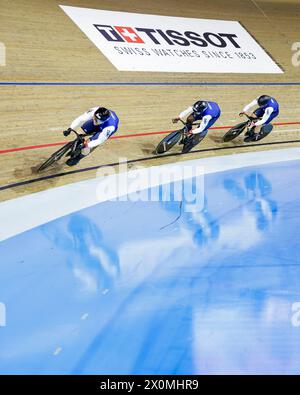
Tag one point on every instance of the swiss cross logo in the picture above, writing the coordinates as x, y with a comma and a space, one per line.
119, 34
129, 34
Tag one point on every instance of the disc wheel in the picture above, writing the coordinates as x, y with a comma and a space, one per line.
168, 142
234, 132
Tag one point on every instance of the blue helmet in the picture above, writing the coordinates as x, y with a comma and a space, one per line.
200, 106
263, 100
102, 114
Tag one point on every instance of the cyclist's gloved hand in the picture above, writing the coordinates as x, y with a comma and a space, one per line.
67, 132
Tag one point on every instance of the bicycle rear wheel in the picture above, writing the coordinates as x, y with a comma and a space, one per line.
168, 142
265, 130
191, 142
56, 156
234, 132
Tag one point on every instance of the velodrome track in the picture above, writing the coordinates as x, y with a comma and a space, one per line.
54, 73
56, 173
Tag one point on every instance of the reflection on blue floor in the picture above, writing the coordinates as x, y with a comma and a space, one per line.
112, 289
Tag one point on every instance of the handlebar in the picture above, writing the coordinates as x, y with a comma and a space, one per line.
74, 131
192, 124
78, 135
69, 131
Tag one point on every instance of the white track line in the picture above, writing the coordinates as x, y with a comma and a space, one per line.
288, 130
57, 128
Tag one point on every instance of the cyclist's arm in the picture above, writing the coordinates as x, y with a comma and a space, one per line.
250, 105
203, 124
266, 116
185, 114
100, 137
83, 118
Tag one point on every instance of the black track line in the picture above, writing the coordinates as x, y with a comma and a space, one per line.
21, 183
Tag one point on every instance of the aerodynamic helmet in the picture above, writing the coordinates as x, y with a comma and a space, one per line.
102, 114
263, 100
199, 107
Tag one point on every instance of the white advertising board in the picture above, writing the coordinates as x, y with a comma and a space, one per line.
142, 42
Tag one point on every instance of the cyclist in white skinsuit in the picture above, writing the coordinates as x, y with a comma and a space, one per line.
205, 111
268, 109
98, 122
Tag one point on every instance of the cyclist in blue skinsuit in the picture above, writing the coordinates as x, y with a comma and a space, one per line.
268, 110
98, 122
206, 111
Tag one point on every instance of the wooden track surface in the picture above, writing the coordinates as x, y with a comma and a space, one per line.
43, 44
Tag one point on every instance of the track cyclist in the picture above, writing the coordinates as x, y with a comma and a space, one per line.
206, 111
268, 109
99, 123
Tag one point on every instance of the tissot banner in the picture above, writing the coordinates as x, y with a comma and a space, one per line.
140, 42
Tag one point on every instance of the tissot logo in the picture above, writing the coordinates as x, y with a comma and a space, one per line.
143, 42
170, 37
119, 34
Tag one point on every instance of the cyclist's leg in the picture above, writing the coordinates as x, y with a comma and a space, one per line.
184, 137
80, 153
250, 134
76, 156
195, 139
258, 129
259, 112
191, 142
83, 152
266, 128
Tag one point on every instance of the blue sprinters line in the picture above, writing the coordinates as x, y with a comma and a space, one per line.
28, 83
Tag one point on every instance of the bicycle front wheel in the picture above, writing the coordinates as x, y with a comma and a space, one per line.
234, 132
56, 156
168, 142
